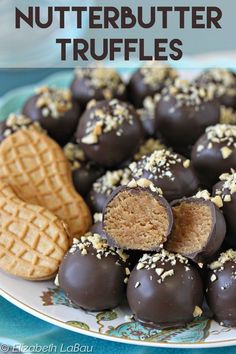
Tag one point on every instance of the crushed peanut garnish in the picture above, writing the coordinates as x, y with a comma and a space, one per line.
53, 102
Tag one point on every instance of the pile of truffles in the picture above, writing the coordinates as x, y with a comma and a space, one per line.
155, 160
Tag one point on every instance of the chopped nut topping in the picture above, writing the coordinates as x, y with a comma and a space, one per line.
158, 164
99, 78
74, 154
229, 255
53, 102
163, 257
111, 180
197, 311
226, 152
149, 147
107, 118
219, 81
223, 134
213, 278
158, 75
15, 122
228, 187
99, 244
227, 115
144, 183
186, 94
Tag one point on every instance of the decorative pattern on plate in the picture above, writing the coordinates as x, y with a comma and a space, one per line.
194, 332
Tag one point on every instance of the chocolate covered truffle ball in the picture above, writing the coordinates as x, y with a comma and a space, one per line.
137, 217
222, 83
55, 111
109, 132
169, 171
165, 290
199, 228
93, 275
15, 122
221, 288
183, 111
225, 189
97, 83
149, 80
84, 172
104, 186
214, 153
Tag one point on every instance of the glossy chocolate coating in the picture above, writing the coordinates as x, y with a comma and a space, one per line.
223, 82
168, 304
148, 122
183, 125
85, 176
111, 149
61, 128
221, 294
228, 209
183, 181
209, 164
139, 87
91, 283
91, 86
216, 235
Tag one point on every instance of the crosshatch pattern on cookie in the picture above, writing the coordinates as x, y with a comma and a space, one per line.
33, 241
38, 171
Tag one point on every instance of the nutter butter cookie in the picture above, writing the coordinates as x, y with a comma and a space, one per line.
169, 171
165, 290
104, 186
109, 132
97, 83
214, 153
55, 110
137, 217
199, 227
225, 190
38, 171
183, 111
94, 275
221, 288
149, 80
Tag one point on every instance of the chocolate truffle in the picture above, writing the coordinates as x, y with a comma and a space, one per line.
221, 288
199, 228
149, 80
55, 111
169, 171
214, 153
109, 132
97, 83
226, 191
104, 186
183, 111
15, 122
222, 83
137, 217
93, 275
84, 172
165, 290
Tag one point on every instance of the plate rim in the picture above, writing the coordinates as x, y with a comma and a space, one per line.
42, 316
4, 99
